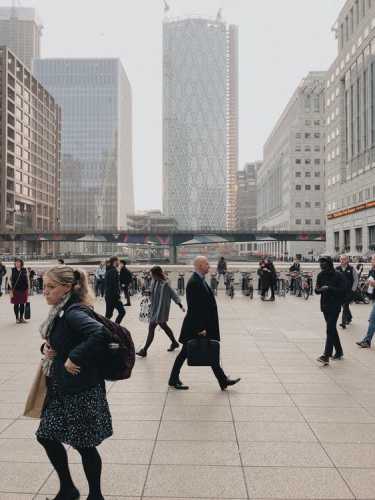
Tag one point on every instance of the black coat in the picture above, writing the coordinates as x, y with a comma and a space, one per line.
78, 336
112, 284
19, 280
126, 277
332, 298
202, 311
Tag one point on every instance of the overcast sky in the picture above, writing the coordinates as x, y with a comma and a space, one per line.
279, 42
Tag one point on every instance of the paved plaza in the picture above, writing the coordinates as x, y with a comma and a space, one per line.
289, 430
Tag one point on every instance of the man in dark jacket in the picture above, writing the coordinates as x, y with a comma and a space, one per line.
331, 287
126, 279
351, 281
201, 319
112, 291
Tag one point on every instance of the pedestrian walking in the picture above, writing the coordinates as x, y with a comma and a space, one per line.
221, 269
331, 287
351, 281
3, 272
100, 280
126, 279
371, 280
161, 295
76, 411
19, 290
201, 319
112, 291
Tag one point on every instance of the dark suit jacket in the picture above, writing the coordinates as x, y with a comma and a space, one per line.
112, 285
202, 311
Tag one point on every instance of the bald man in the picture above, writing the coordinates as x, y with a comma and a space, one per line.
201, 319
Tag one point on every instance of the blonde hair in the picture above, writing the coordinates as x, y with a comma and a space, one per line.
77, 278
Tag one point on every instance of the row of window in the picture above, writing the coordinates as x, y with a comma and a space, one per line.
308, 161
308, 204
308, 135
308, 222
308, 174
308, 187
307, 148
356, 13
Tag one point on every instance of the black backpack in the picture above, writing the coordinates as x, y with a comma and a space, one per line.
118, 359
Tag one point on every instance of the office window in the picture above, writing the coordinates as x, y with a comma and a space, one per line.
336, 238
358, 238
316, 174
307, 135
347, 240
317, 204
317, 187
298, 221
316, 135
298, 135
307, 174
371, 237
317, 161
298, 174
317, 122
307, 161
317, 148
307, 149
308, 123
307, 222
298, 161
307, 187
317, 222
298, 187
307, 204
298, 204
298, 148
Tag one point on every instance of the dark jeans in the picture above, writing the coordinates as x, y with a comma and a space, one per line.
333, 340
125, 289
151, 333
266, 288
111, 305
180, 360
346, 314
99, 288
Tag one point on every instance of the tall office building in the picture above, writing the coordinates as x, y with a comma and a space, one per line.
21, 31
247, 197
200, 122
29, 152
350, 148
290, 182
96, 171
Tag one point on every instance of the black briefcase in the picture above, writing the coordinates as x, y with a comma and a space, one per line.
203, 352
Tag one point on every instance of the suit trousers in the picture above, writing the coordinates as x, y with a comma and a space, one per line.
333, 340
111, 305
180, 360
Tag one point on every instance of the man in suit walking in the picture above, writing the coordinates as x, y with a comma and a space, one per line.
201, 319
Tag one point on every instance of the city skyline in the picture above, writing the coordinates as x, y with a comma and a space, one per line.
261, 102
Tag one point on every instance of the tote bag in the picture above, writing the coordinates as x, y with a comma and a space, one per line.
37, 395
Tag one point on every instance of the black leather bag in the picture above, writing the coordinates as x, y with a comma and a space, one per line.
203, 352
27, 310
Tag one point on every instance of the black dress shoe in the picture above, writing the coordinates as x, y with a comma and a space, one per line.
343, 325
364, 344
228, 383
178, 385
324, 360
174, 345
72, 494
142, 353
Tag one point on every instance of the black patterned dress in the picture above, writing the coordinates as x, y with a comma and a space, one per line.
80, 420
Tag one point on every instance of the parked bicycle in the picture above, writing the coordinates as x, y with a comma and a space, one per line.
229, 285
247, 286
181, 284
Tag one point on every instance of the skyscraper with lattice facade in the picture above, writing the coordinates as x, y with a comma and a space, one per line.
200, 123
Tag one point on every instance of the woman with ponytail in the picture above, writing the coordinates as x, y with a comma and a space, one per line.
76, 411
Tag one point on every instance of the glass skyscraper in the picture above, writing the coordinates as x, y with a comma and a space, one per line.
96, 171
200, 123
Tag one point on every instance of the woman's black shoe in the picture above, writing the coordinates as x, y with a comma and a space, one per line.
178, 385
324, 360
174, 345
72, 494
228, 383
338, 356
142, 353
364, 344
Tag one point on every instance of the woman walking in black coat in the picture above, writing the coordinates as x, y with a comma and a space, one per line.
161, 295
76, 411
331, 287
20, 286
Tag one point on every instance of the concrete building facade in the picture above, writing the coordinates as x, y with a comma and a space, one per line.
97, 172
152, 220
247, 197
290, 182
200, 122
30, 128
350, 147
21, 31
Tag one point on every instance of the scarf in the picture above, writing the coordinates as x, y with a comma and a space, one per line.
46, 327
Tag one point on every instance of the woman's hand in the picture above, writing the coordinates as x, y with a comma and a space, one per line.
48, 351
71, 368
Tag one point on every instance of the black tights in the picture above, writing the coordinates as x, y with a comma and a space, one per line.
19, 310
151, 333
92, 465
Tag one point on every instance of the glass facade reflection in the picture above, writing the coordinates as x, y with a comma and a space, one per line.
200, 123
96, 172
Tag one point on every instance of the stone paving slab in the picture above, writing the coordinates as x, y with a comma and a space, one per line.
290, 430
